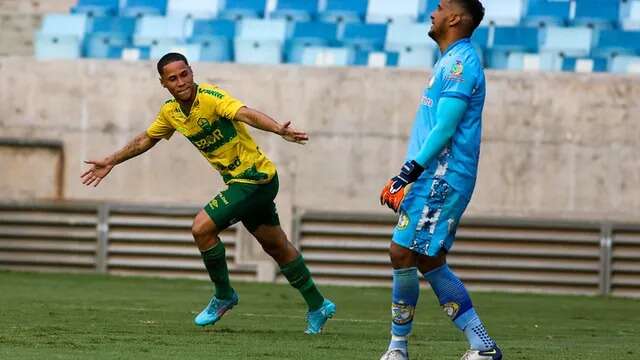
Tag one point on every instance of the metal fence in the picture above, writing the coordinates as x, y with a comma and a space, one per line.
340, 248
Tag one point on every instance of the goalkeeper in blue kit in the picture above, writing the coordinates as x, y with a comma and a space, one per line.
436, 183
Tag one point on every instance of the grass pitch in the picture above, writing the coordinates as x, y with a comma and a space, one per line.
62, 316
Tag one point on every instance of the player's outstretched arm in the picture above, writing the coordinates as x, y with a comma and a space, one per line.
102, 168
264, 122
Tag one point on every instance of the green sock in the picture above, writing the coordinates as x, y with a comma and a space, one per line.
216, 264
300, 278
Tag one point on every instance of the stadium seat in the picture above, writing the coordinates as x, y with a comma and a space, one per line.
243, 9
65, 24
502, 12
190, 51
155, 29
616, 42
215, 38
597, 13
631, 16
573, 41
49, 46
61, 36
141, 8
547, 13
388, 11
411, 43
96, 7
307, 34
295, 10
260, 41
367, 37
343, 10
380, 59
583, 65
625, 65
511, 39
135, 53
534, 62
106, 32
195, 9
327, 56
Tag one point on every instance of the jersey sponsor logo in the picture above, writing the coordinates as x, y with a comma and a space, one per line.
455, 73
426, 101
234, 165
211, 92
213, 136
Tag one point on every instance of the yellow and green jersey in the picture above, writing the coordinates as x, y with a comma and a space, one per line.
210, 127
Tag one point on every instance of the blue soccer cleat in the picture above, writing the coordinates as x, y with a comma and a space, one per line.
492, 354
316, 319
214, 311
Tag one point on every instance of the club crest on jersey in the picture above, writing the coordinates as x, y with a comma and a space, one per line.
456, 71
403, 221
204, 124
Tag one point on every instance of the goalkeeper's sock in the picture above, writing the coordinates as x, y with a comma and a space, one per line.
299, 277
456, 303
216, 264
404, 297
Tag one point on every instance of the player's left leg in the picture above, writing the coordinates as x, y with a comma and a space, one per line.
442, 213
264, 224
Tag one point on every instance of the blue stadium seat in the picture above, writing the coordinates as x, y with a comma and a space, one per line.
141, 8
534, 62
582, 65
328, 56
597, 13
260, 41
502, 12
388, 11
616, 42
625, 65
48, 46
106, 32
343, 10
307, 34
153, 29
134, 53
573, 41
368, 37
195, 9
65, 24
295, 10
215, 38
243, 9
190, 51
96, 7
411, 43
547, 13
511, 39
377, 58
631, 16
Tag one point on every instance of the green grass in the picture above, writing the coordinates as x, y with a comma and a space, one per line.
62, 316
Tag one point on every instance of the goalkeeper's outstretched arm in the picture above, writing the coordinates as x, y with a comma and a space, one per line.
101, 168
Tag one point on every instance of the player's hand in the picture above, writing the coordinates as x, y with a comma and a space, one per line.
97, 172
289, 133
394, 191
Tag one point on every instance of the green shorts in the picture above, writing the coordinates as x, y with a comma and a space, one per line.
250, 203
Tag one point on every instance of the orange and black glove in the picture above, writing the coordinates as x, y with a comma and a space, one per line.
394, 191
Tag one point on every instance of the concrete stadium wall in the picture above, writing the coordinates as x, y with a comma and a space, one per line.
554, 145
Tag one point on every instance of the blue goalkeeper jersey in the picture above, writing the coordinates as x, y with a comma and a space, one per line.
457, 74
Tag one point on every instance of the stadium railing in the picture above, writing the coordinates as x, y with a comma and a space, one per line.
493, 254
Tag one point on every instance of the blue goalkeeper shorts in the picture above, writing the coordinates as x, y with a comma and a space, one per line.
429, 217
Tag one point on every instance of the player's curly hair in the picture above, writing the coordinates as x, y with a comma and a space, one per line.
475, 9
169, 58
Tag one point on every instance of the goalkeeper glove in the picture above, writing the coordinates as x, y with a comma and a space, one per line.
394, 191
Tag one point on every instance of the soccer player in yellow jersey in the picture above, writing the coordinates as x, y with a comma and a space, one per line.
213, 121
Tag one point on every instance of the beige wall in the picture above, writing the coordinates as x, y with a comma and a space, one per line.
563, 145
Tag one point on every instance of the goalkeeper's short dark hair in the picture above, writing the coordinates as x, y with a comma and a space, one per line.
475, 9
169, 58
